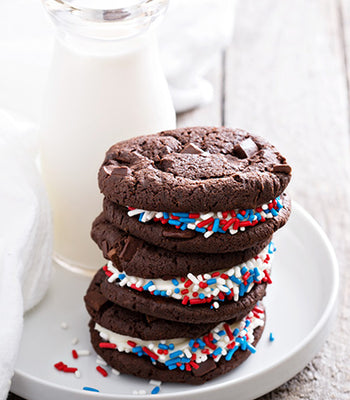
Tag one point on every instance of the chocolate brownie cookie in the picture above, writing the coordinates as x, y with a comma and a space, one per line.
133, 323
174, 310
169, 361
192, 241
138, 258
200, 169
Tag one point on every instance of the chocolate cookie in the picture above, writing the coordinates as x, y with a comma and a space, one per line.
138, 258
189, 241
133, 323
198, 169
173, 310
128, 363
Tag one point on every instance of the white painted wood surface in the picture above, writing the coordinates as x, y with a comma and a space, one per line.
286, 77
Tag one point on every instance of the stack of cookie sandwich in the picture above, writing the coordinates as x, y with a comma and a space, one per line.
187, 224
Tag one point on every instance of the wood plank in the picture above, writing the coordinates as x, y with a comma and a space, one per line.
209, 114
285, 80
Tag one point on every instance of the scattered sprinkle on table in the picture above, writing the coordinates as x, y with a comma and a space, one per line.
90, 389
102, 371
155, 390
64, 325
271, 337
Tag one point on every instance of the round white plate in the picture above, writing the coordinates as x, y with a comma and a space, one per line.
300, 309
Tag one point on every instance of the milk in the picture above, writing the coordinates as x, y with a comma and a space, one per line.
95, 97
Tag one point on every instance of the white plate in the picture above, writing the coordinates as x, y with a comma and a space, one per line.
300, 309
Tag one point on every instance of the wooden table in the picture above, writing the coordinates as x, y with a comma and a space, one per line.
286, 76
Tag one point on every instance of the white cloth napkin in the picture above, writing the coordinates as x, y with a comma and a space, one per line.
25, 237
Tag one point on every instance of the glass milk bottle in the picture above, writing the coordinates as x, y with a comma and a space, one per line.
106, 84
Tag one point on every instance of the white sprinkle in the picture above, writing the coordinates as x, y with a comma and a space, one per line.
192, 278
220, 281
135, 392
113, 278
242, 228
264, 206
139, 283
154, 382
152, 288
216, 291
75, 341
207, 276
131, 213
230, 272
177, 296
219, 215
159, 214
115, 372
223, 288
233, 231
188, 354
206, 216
151, 346
142, 391
77, 374
123, 282
216, 336
216, 304
64, 325
191, 226
195, 288
83, 352
207, 234
100, 361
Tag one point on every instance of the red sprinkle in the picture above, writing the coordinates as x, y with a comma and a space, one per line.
102, 371
215, 274
185, 300
184, 291
69, 370
188, 367
198, 301
205, 222
267, 277
105, 345
203, 285
60, 365
74, 354
182, 279
194, 215
228, 224
188, 283
131, 343
194, 364
228, 331
150, 353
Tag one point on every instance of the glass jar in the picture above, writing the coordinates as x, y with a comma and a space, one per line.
106, 84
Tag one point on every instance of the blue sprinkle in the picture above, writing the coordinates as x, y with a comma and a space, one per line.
163, 346
191, 343
171, 346
155, 390
222, 333
271, 337
180, 214
247, 323
201, 230
251, 218
271, 248
165, 215
256, 272
172, 361
174, 222
201, 296
90, 389
221, 230
156, 292
244, 270
194, 349
258, 216
240, 217
211, 281
250, 347
217, 351
163, 293
250, 279
182, 367
216, 224
175, 282
231, 352
244, 345
121, 276
176, 354
177, 290
187, 220
235, 332
172, 366
140, 353
141, 215
235, 280
274, 212
214, 341
183, 227
148, 285
201, 343
136, 349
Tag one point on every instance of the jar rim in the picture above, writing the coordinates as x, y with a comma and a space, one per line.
106, 23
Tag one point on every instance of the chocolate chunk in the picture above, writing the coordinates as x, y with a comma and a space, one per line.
245, 149
95, 300
284, 168
112, 255
114, 167
191, 148
178, 234
130, 248
204, 367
